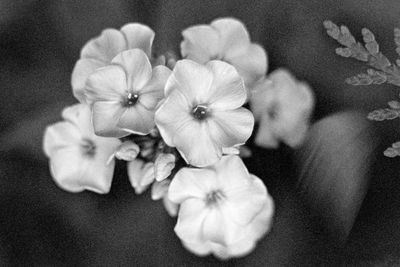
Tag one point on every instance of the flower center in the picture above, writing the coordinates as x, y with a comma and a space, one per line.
88, 147
214, 197
272, 111
132, 99
200, 112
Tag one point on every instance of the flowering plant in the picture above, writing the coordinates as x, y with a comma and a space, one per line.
181, 125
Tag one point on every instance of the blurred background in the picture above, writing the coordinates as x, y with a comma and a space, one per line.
40, 224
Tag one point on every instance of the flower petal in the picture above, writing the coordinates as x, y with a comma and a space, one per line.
138, 36
137, 67
247, 202
196, 145
200, 248
105, 116
193, 80
231, 173
83, 68
191, 183
227, 89
172, 115
79, 115
251, 65
137, 120
233, 127
265, 136
200, 43
81, 172
191, 216
153, 92
234, 37
68, 176
262, 96
218, 228
105, 47
170, 207
106, 84
60, 135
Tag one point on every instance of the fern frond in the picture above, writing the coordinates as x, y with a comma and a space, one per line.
390, 113
371, 77
397, 41
383, 70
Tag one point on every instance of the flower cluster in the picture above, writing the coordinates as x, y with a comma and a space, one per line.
181, 126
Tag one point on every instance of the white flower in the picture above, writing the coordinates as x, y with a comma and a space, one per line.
225, 39
163, 166
99, 52
283, 107
78, 158
159, 190
224, 210
124, 95
202, 112
141, 174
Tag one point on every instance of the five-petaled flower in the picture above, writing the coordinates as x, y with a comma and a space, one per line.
283, 107
78, 158
202, 112
226, 39
99, 52
124, 95
224, 210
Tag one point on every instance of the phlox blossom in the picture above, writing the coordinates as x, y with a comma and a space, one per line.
224, 210
283, 106
124, 95
79, 159
226, 39
202, 112
99, 52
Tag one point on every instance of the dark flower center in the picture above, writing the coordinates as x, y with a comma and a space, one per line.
132, 99
88, 147
272, 111
200, 112
214, 197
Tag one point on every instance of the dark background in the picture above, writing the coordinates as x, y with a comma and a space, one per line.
42, 225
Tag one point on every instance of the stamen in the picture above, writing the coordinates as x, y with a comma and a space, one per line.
200, 112
132, 99
88, 147
214, 197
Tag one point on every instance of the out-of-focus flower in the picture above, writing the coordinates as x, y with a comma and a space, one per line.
78, 158
124, 95
99, 52
159, 190
202, 112
141, 174
163, 166
283, 107
226, 39
224, 210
